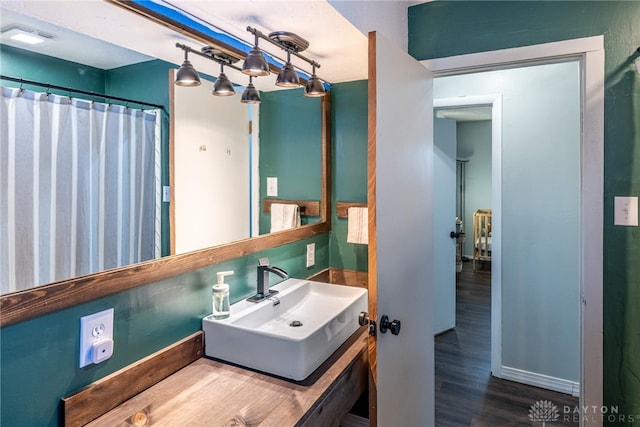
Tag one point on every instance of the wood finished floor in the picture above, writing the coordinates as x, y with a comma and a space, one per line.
466, 393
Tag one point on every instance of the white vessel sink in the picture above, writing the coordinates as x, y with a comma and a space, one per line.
290, 334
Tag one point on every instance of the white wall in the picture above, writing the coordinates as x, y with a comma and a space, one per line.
389, 17
474, 144
540, 207
211, 163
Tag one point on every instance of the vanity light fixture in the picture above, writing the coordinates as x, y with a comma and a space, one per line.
250, 94
255, 63
187, 75
314, 87
288, 77
223, 86
293, 44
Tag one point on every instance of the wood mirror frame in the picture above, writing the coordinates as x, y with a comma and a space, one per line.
34, 302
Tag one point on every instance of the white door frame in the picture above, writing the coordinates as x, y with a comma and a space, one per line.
589, 52
495, 101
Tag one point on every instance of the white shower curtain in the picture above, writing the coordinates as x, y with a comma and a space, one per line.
79, 187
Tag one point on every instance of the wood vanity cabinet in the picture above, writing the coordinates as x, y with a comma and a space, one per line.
207, 392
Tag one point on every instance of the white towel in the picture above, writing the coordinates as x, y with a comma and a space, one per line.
284, 216
358, 225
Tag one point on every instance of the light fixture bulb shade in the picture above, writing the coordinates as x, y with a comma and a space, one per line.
288, 77
250, 95
223, 86
255, 63
187, 75
314, 87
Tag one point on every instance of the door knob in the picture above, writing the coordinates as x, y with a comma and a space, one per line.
454, 235
392, 326
363, 319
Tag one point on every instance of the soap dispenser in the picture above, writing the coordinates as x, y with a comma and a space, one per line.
221, 296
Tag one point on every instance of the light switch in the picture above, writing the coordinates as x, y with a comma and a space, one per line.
166, 193
311, 255
272, 186
626, 211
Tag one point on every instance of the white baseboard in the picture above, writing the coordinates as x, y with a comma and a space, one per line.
541, 380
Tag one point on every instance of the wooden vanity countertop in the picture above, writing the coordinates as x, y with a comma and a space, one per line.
212, 393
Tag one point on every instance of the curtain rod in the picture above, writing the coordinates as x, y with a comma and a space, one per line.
79, 91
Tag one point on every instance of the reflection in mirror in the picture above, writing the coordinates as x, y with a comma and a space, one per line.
212, 151
80, 181
278, 140
269, 148
110, 69
290, 139
79, 187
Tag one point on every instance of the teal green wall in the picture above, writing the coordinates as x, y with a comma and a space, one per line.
40, 356
146, 82
149, 82
47, 69
290, 147
442, 28
349, 163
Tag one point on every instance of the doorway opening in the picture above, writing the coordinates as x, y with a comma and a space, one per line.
473, 129
462, 169
589, 51
535, 283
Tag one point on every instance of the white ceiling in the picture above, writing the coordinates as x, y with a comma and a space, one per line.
91, 33
100, 34
333, 41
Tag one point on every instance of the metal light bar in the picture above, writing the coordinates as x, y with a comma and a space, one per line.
221, 61
228, 63
291, 47
282, 46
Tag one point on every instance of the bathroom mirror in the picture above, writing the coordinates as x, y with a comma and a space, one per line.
225, 152
20, 305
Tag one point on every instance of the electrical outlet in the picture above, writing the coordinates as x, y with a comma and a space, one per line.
311, 255
625, 211
96, 337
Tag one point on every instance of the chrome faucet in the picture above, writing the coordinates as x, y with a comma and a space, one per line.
263, 290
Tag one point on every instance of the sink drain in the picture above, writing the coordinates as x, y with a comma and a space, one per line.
295, 324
